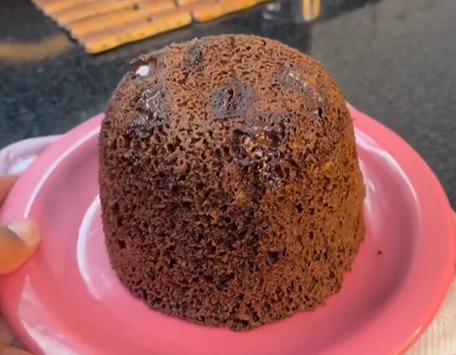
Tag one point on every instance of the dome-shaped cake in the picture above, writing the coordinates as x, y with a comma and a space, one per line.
229, 182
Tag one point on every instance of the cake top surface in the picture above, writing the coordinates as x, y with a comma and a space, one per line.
240, 97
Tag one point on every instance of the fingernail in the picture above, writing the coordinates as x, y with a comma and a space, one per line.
27, 230
10, 350
6, 337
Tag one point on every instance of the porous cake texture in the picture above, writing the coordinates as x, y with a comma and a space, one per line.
230, 187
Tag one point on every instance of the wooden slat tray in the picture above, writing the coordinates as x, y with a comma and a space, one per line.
101, 25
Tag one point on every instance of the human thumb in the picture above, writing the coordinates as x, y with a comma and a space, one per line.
18, 242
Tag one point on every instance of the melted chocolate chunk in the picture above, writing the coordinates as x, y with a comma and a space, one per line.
141, 128
153, 102
301, 79
195, 58
145, 66
232, 100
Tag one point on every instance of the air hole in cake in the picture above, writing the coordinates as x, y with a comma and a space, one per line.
325, 255
113, 144
119, 222
255, 317
320, 112
210, 249
157, 301
273, 256
256, 153
208, 278
227, 152
299, 207
251, 265
218, 153
230, 240
278, 171
122, 244
254, 239
195, 279
205, 220
325, 183
224, 280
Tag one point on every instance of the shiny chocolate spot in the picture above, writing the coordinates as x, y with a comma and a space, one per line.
268, 130
145, 66
301, 79
269, 138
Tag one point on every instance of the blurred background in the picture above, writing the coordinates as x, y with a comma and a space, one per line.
394, 59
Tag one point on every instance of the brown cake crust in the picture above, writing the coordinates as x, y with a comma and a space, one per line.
229, 182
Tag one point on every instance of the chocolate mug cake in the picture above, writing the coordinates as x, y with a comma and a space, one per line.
229, 181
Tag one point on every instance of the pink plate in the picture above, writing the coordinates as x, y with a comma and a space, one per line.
67, 300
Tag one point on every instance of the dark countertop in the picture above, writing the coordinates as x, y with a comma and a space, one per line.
394, 59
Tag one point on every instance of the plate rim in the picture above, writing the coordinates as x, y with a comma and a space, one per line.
417, 170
